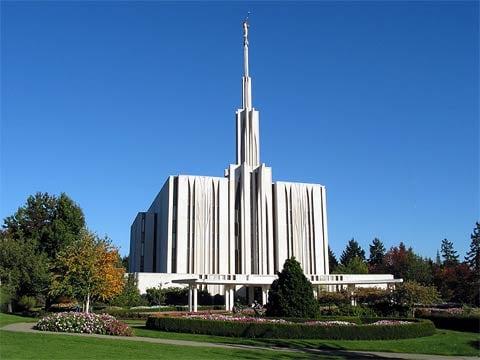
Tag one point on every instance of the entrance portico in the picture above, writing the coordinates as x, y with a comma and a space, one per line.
232, 282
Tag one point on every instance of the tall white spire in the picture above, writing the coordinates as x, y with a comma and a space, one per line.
246, 81
248, 147
245, 47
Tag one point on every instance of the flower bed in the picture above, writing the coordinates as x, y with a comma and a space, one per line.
357, 329
142, 313
76, 322
249, 319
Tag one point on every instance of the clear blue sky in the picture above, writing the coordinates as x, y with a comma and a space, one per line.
378, 101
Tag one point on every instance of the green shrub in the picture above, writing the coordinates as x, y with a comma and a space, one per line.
291, 331
155, 296
411, 293
291, 295
130, 295
27, 302
359, 310
454, 322
372, 295
142, 313
330, 298
176, 296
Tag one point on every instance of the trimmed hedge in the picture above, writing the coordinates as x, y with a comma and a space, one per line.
143, 314
452, 322
418, 328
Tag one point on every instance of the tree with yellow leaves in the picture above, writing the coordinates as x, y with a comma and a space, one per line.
88, 269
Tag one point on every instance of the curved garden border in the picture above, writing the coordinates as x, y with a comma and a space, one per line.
416, 328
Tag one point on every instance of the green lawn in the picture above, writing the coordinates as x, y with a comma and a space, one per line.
45, 346
6, 319
48, 346
444, 342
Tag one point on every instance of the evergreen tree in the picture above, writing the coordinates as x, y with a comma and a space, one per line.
125, 263
354, 266
473, 261
377, 252
450, 256
438, 261
291, 295
473, 255
351, 251
332, 260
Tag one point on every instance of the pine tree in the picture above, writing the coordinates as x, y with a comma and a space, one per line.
291, 295
438, 261
332, 260
377, 252
450, 256
473, 255
352, 250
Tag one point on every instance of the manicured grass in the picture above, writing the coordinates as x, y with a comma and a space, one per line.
444, 342
6, 319
46, 346
15, 345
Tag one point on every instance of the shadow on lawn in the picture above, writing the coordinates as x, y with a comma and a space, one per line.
299, 346
475, 344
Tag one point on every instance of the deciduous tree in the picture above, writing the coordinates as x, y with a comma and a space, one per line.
404, 263
411, 293
88, 269
49, 222
23, 271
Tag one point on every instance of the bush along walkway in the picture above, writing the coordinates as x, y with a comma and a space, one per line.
28, 328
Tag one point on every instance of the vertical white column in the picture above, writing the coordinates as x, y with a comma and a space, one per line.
190, 307
195, 293
264, 295
232, 297
227, 298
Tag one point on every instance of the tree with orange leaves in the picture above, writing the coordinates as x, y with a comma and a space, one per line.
88, 269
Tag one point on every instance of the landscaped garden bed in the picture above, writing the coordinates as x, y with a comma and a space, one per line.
142, 313
289, 328
87, 323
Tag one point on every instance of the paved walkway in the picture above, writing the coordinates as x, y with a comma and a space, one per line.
348, 354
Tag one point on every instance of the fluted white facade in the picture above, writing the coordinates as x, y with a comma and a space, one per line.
242, 223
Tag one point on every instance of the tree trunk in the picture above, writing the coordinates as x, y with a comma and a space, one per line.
9, 309
87, 305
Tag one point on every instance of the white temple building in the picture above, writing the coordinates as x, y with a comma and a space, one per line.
235, 232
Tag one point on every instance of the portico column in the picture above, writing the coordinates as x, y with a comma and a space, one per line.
264, 295
227, 297
190, 302
232, 297
195, 292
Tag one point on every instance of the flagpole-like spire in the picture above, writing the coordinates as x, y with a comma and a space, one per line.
245, 47
247, 87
